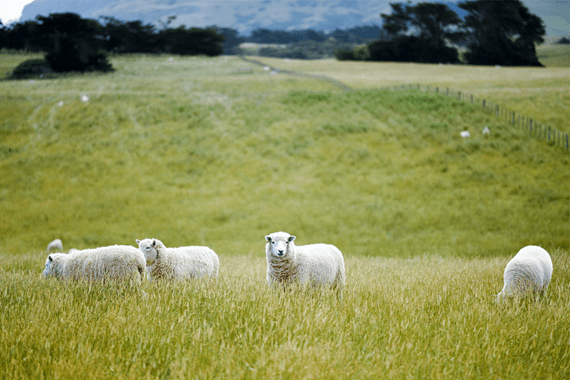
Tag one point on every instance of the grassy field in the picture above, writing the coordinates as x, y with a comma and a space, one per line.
553, 54
426, 317
541, 94
218, 152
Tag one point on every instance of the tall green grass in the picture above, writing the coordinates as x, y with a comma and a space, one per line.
216, 152
428, 317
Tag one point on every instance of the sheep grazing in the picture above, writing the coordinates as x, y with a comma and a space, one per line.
307, 265
178, 263
115, 263
465, 134
529, 271
55, 245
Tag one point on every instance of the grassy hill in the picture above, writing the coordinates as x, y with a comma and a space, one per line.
538, 93
217, 152
196, 150
553, 54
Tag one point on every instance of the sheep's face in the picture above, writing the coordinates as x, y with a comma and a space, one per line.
47, 268
149, 248
279, 244
51, 267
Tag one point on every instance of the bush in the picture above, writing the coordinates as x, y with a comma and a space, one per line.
72, 60
361, 53
344, 55
31, 68
411, 49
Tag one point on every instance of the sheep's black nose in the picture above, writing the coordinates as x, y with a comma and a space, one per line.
280, 251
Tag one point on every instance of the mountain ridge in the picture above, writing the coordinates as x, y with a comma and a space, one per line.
245, 16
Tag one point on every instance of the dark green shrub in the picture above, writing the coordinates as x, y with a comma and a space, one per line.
72, 60
344, 55
31, 68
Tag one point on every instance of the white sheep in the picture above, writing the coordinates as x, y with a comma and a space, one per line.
465, 134
55, 245
113, 263
178, 263
529, 271
307, 265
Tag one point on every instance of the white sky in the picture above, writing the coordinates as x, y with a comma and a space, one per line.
11, 10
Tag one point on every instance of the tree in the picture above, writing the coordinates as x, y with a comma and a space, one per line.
24, 36
419, 33
3, 35
266, 36
74, 43
193, 41
502, 33
232, 38
129, 37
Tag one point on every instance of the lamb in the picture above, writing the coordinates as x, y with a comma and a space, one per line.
55, 245
529, 271
312, 265
114, 263
178, 263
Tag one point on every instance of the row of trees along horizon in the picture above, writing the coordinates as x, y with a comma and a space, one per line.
491, 33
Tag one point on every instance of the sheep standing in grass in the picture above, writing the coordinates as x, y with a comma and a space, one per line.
529, 271
310, 265
114, 263
178, 263
55, 245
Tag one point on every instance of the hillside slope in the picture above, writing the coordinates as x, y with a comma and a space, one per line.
217, 152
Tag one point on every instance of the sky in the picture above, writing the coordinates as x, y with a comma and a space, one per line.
11, 10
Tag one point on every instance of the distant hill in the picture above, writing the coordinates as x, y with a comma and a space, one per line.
246, 16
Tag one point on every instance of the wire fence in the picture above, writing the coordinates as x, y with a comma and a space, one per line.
543, 132
551, 135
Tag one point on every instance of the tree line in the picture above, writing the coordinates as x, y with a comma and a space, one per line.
72, 43
491, 33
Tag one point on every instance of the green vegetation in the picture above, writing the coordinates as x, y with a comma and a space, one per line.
428, 318
554, 54
218, 152
538, 94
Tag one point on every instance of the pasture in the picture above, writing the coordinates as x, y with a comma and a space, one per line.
219, 152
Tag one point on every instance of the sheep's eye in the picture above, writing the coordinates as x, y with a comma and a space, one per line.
147, 248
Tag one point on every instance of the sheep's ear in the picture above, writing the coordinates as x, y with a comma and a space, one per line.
291, 238
268, 238
154, 243
138, 241
50, 258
